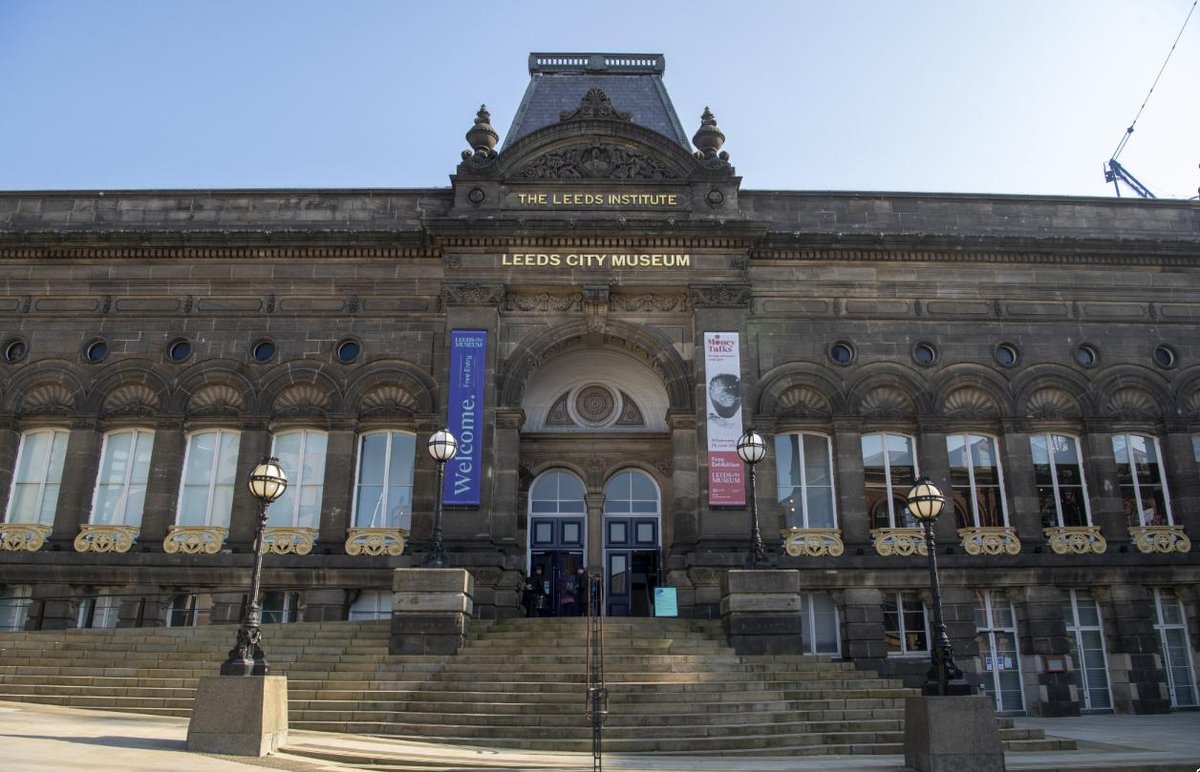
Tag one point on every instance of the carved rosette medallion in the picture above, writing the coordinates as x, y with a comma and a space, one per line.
813, 542
1076, 540
194, 539
106, 538
23, 537
899, 541
375, 541
1160, 538
595, 404
990, 541
281, 540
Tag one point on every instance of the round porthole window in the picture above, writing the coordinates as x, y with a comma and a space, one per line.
95, 351
179, 350
925, 354
15, 350
348, 351
1086, 356
841, 353
1006, 355
263, 350
1164, 356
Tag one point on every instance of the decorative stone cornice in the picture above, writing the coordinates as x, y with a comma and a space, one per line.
472, 295
651, 302
720, 296
542, 302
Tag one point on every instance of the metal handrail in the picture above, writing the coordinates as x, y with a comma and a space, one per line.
596, 699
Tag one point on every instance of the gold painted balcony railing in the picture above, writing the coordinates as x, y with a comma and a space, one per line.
899, 541
1076, 539
106, 538
280, 540
375, 541
1160, 538
812, 542
23, 537
993, 540
195, 539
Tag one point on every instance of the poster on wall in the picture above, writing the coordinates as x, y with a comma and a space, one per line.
723, 406
465, 417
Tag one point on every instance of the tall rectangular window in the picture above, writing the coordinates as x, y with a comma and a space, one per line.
209, 473
279, 607
804, 474
371, 604
1143, 488
976, 480
98, 610
38, 476
121, 483
819, 624
1085, 635
1171, 626
996, 634
385, 480
905, 626
302, 456
1058, 474
890, 468
14, 607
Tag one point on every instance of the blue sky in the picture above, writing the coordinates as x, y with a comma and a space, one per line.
1005, 97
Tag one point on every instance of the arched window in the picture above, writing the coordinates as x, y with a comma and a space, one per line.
121, 483
1140, 474
976, 481
557, 492
209, 471
302, 456
631, 492
383, 498
890, 468
804, 474
1058, 472
39, 468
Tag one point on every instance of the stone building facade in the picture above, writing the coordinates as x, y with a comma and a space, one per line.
1035, 356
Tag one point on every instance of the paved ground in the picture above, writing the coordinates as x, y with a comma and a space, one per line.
40, 737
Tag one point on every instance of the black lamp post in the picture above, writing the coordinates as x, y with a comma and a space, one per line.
752, 448
442, 447
925, 503
267, 483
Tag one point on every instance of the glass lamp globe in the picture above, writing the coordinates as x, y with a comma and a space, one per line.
442, 445
925, 501
751, 447
267, 481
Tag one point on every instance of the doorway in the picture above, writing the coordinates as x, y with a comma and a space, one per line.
631, 543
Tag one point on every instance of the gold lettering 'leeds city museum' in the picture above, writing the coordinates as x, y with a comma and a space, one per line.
551, 260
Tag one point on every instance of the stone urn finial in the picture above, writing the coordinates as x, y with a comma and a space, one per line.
482, 137
708, 138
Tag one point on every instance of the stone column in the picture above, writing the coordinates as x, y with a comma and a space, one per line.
1104, 493
1183, 478
1023, 510
255, 443
595, 530
78, 483
338, 494
431, 611
1044, 647
862, 628
685, 480
851, 486
506, 476
771, 517
761, 611
1135, 667
162, 488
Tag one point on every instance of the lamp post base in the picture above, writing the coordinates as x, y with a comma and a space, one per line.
239, 716
955, 688
952, 734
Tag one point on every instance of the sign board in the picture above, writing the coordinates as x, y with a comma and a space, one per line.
468, 351
665, 602
723, 403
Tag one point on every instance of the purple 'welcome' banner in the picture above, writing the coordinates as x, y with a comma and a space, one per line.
465, 416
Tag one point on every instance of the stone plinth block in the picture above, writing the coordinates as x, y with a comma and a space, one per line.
761, 611
431, 610
758, 581
239, 716
952, 734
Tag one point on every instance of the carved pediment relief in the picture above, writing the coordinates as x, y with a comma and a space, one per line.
48, 399
1133, 403
218, 399
803, 401
595, 104
971, 402
389, 399
131, 399
596, 160
887, 402
301, 399
1053, 403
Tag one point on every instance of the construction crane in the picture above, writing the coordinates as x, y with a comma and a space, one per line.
1115, 173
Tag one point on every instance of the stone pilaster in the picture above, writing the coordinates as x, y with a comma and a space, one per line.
1183, 479
506, 475
1135, 667
431, 611
53, 607
1104, 493
685, 480
10, 440
143, 606
1042, 630
851, 493
862, 627
934, 463
338, 492
1021, 487
78, 483
254, 444
162, 487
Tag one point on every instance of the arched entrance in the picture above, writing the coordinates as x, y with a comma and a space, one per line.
632, 548
557, 540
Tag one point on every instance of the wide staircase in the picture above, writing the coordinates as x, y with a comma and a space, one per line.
675, 686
